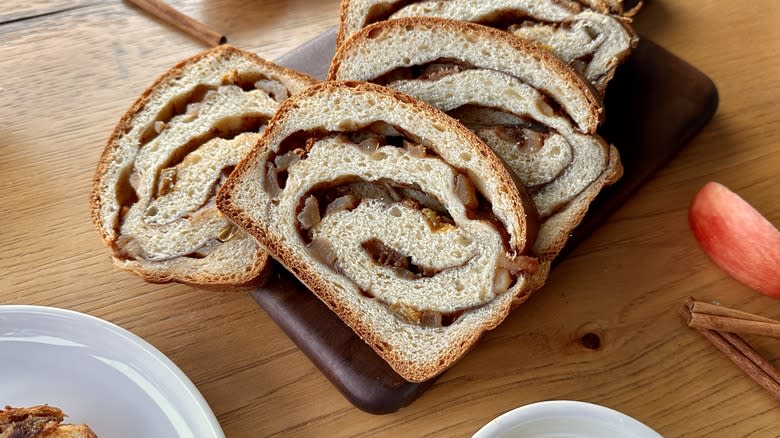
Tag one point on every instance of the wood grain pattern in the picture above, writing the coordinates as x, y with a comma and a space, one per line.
67, 76
169, 15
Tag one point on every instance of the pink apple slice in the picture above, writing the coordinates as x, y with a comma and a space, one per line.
737, 238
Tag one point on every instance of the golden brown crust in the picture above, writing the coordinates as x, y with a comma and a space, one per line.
252, 279
575, 212
238, 281
412, 371
589, 95
615, 7
554, 236
341, 33
508, 302
619, 58
527, 215
126, 120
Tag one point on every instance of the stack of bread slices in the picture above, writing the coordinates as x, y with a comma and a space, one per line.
421, 191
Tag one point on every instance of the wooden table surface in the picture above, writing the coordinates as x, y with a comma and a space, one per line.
70, 68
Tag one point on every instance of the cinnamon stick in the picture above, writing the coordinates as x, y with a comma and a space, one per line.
184, 23
724, 319
742, 354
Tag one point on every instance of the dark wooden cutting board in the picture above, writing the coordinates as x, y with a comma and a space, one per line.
655, 105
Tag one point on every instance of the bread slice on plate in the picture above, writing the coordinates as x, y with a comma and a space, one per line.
538, 115
591, 42
396, 216
39, 422
152, 198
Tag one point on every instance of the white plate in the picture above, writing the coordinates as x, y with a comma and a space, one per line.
565, 419
98, 374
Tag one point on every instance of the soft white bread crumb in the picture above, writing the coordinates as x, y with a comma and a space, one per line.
504, 103
384, 48
593, 42
153, 192
401, 208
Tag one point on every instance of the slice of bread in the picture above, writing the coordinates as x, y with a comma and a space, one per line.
41, 421
517, 98
593, 43
153, 192
395, 215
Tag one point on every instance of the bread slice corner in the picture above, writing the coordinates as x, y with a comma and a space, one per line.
152, 198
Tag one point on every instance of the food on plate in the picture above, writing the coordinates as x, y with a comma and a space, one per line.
153, 193
41, 421
395, 215
591, 42
620, 7
531, 109
737, 238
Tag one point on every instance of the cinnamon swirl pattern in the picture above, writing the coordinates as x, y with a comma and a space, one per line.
153, 195
397, 217
482, 77
592, 42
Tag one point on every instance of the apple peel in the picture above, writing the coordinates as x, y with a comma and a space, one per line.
737, 238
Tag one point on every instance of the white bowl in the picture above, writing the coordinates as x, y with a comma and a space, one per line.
565, 419
99, 374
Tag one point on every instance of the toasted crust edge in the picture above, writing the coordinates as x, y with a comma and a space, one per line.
251, 280
591, 96
529, 223
578, 207
414, 372
625, 22
341, 32
258, 275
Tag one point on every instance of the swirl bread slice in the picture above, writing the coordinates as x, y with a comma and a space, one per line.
152, 198
592, 43
396, 216
519, 99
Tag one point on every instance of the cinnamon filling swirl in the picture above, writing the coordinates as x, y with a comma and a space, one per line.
184, 155
523, 125
591, 42
519, 140
387, 233
430, 71
500, 18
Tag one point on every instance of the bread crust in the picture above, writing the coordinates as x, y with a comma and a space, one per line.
358, 51
586, 96
126, 120
487, 317
527, 215
615, 7
252, 276
590, 14
576, 210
